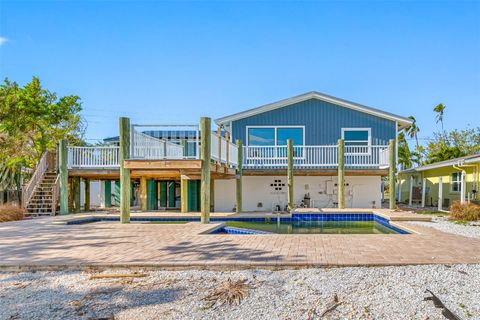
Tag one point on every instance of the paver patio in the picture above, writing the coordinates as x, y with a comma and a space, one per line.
41, 243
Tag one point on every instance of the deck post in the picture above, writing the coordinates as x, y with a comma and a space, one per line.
440, 193
125, 186
63, 172
227, 152
206, 136
76, 194
341, 174
219, 133
392, 174
212, 195
290, 174
86, 203
183, 194
238, 180
143, 193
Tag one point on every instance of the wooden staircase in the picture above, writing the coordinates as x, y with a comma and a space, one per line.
41, 201
40, 195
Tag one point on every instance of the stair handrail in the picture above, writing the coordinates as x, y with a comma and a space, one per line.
55, 195
28, 190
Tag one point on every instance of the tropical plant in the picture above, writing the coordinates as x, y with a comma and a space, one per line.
404, 154
467, 211
440, 111
412, 132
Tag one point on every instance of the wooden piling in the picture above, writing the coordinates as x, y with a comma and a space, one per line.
290, 174
125, 187
183, 194
392, 174
143, 193
238, 180
76, 194
63, 172
205, 127
341, 174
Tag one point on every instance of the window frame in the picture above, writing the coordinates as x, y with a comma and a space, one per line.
458, 182
369, 141
247, 128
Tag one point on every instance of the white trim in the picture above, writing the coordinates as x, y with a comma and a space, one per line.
275, 133
319, 96
369, 141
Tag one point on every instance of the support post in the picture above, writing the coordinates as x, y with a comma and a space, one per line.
205, 127
440, 193
462, 187
143, 193
219, 133
86, 204
212, 195
290, 174
424, 187
399, 190
227, 152
183, 194
63, 172
392, 168
410, 197
125, 187
76, 194
102, 194
238, 180
341, 174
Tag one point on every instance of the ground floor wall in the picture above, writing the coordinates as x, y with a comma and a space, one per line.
265, 193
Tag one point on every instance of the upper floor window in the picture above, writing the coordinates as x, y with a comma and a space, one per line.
356, 136
274, 136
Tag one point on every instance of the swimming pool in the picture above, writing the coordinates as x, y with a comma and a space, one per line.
301, 223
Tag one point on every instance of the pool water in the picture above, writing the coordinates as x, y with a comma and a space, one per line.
315, 227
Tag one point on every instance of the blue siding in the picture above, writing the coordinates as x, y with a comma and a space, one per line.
323, 122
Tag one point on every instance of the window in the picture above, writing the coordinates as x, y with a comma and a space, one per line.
274, 136
261, 136
456, 181
357, 140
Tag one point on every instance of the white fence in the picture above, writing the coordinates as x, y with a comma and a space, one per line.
93, 157
315, 156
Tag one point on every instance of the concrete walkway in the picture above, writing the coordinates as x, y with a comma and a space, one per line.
44, 243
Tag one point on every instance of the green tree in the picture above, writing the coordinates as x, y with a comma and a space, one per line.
404, 154
457, 143
32, 121
412, 132
440, 111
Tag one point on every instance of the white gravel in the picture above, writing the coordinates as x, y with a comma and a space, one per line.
471, 229
366, 293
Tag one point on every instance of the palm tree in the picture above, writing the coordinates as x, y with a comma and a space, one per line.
440, 110
413, 130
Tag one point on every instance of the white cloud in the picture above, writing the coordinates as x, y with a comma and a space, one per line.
3, 40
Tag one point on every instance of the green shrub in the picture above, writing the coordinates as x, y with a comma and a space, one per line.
11, 212
467, 211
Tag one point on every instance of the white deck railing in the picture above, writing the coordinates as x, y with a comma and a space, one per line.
228, 151
315, 156
148, 147
93, 157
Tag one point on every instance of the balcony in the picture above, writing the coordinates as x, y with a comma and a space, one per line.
312, 157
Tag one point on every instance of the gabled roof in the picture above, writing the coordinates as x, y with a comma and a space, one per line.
472, 158
402, 121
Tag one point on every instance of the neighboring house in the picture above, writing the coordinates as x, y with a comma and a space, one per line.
440, 184
314, 122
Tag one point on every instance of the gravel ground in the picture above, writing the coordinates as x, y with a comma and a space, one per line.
365, 293
472, 229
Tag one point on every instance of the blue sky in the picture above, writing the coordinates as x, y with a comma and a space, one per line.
173, 62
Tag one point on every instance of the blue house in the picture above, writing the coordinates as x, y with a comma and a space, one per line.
315, 122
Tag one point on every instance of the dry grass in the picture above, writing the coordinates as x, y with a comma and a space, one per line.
467, 211
11, 212
228, 292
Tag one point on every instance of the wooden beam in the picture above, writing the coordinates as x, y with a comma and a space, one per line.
143, 193
205, 127
219, 134
290, 174
341, 174
163, 164
392, 174
238, 181
63, 172
227, 152
86, 204
125, 187
212, 195
315, 172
